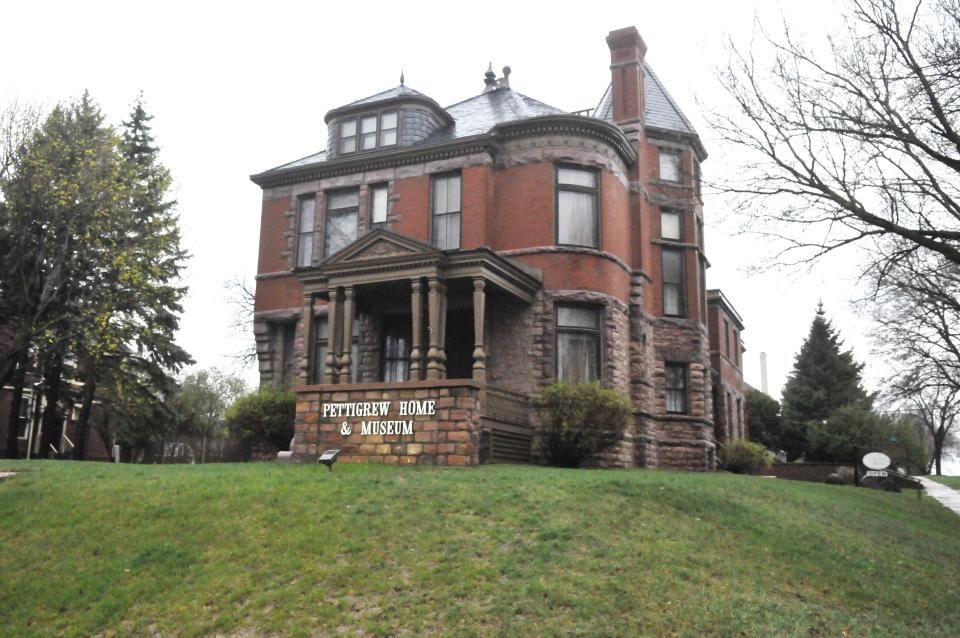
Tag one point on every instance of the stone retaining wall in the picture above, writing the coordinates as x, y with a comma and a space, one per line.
450, 436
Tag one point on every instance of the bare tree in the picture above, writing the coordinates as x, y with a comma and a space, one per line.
918, 316
938, 407
861, 142
241, 297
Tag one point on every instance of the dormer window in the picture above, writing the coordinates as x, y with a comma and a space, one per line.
368, 132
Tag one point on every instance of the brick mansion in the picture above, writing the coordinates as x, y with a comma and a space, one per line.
465, 257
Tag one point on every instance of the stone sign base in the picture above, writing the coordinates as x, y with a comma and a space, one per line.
406, 423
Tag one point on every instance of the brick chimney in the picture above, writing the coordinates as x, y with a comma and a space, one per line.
626, 68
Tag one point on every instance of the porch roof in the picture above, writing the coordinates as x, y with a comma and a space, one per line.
382, 256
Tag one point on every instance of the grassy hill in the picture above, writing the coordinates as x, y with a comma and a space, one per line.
250, 550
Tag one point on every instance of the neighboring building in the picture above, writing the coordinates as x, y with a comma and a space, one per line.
471, 255
29, 424
726, 362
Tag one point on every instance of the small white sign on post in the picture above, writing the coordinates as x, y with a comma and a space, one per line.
876, 461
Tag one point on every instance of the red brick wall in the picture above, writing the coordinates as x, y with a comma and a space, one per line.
523, 213
274, 225
279, 292
413, 207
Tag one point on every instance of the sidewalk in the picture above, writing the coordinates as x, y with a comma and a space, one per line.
6, 475
947, 496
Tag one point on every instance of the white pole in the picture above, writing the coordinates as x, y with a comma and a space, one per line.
763, 373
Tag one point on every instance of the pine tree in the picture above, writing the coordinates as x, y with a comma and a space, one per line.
133, 340
824, 379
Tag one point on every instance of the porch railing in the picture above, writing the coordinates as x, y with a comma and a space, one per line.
506, 407
508, 434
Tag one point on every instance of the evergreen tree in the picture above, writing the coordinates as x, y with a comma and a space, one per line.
90, 264
133, 336
64, 204
824, 379
763, 419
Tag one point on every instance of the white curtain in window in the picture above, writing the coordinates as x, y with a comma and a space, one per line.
396, 357
446, 231
670, 225
577, 357
378, 204
577, 223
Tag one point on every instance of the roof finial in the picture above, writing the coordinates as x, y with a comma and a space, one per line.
401, 77
489, 79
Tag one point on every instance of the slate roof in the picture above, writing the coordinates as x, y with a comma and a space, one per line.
660, 110
398, 91
303, 161
482, 112
478, 114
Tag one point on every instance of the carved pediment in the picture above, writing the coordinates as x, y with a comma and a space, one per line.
380, 248
381, 244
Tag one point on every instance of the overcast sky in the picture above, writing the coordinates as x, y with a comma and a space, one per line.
242, 88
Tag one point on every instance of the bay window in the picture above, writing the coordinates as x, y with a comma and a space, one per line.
578, 221
671, 225
669, 165
673, 289
676, 382
578, 343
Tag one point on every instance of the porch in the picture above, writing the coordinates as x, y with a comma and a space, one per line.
390, 321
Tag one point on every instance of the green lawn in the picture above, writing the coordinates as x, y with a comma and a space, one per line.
949, 481
250, 550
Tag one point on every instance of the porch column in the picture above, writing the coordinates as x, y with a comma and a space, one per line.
479, 356
442, 337
330, 370
306, 332
434, 369
347, 330
416, 321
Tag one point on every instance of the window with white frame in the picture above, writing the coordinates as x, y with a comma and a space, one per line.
578, 213
340, 225
669, 165
445, 211
578, 343
676, 382
305, 219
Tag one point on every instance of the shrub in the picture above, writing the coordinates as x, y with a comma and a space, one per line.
263, 417
577, 421
745, 457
